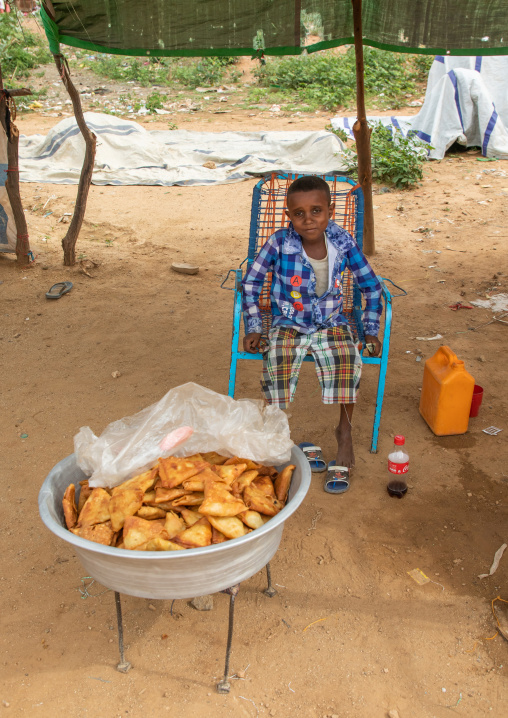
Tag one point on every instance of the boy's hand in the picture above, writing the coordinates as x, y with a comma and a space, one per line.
251, 342
369, 339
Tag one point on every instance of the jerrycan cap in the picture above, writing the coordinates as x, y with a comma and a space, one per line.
399, 440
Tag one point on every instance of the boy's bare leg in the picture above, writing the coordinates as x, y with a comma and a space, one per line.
344, 436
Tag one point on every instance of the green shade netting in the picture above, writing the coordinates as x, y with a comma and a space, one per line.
276, 27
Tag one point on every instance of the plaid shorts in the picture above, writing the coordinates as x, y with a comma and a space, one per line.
337, 360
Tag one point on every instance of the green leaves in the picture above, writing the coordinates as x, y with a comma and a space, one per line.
396, 160
155, 101
328, 80
20, 50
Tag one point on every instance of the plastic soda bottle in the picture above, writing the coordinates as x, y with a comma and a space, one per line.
398, 460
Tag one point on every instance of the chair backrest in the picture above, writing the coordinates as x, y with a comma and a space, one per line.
268, 215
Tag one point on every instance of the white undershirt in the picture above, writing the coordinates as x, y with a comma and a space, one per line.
320, 267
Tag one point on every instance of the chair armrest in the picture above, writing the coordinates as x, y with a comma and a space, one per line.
238, 280
386, 293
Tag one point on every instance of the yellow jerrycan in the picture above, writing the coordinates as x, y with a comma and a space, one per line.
447, 391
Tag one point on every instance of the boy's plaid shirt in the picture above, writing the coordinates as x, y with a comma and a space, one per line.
294, 302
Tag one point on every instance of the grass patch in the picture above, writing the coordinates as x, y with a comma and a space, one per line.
323, 80
328, 80
20, 50
164, 72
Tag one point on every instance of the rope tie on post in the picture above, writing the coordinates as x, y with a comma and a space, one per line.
25, 247
65, 71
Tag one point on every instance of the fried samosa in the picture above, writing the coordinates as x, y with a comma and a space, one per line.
257, 500
123, 504
84, 493
99, 533
252, 519
230, 526
143, 481
95, 510
197, 536
69, 506
149, 513
219, 501
138, 531
283, 482
174, 471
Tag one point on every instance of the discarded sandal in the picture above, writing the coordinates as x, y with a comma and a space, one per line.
314, 456
336, 479
58, 290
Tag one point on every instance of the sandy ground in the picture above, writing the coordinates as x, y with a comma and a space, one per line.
378, 642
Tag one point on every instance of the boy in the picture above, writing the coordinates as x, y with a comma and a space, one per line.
307, 262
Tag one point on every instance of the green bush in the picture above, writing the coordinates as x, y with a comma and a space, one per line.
20, 49
422, 65
396, 160
206, 72
155, 101
329, 80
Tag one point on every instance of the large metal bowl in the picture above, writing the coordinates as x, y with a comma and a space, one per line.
171, 574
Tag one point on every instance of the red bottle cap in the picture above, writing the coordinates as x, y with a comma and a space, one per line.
399, 440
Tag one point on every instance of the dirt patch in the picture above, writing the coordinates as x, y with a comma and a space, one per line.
349, 633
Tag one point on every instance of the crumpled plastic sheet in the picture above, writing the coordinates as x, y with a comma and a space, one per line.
127, 447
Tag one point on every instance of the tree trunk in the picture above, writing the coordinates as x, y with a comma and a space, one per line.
69, 241
362, 133
23, 254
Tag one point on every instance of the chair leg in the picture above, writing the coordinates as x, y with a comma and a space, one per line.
377, 413
232, 374
382, 374
237, 314
124, 666
224, 685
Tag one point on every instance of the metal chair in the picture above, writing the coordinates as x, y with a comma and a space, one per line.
268, 215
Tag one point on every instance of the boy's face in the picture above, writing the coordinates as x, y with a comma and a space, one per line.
309, 212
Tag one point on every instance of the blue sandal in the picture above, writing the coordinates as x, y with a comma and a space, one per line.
336, 479
314, 456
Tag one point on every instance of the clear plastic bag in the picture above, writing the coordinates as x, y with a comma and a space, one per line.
243, 427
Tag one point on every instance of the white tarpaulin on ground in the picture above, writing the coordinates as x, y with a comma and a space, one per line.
466, 102
128, 154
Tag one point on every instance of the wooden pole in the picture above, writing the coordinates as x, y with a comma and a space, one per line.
298, 22
362, 133
23, 253
69, 241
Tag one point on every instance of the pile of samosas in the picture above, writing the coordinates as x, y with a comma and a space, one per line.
180, 503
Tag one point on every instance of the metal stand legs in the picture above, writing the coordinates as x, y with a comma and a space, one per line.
224, 686
124, 666
269, 591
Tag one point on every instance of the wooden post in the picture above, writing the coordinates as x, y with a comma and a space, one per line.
12, 181
362, 133
298, 22
69, 241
